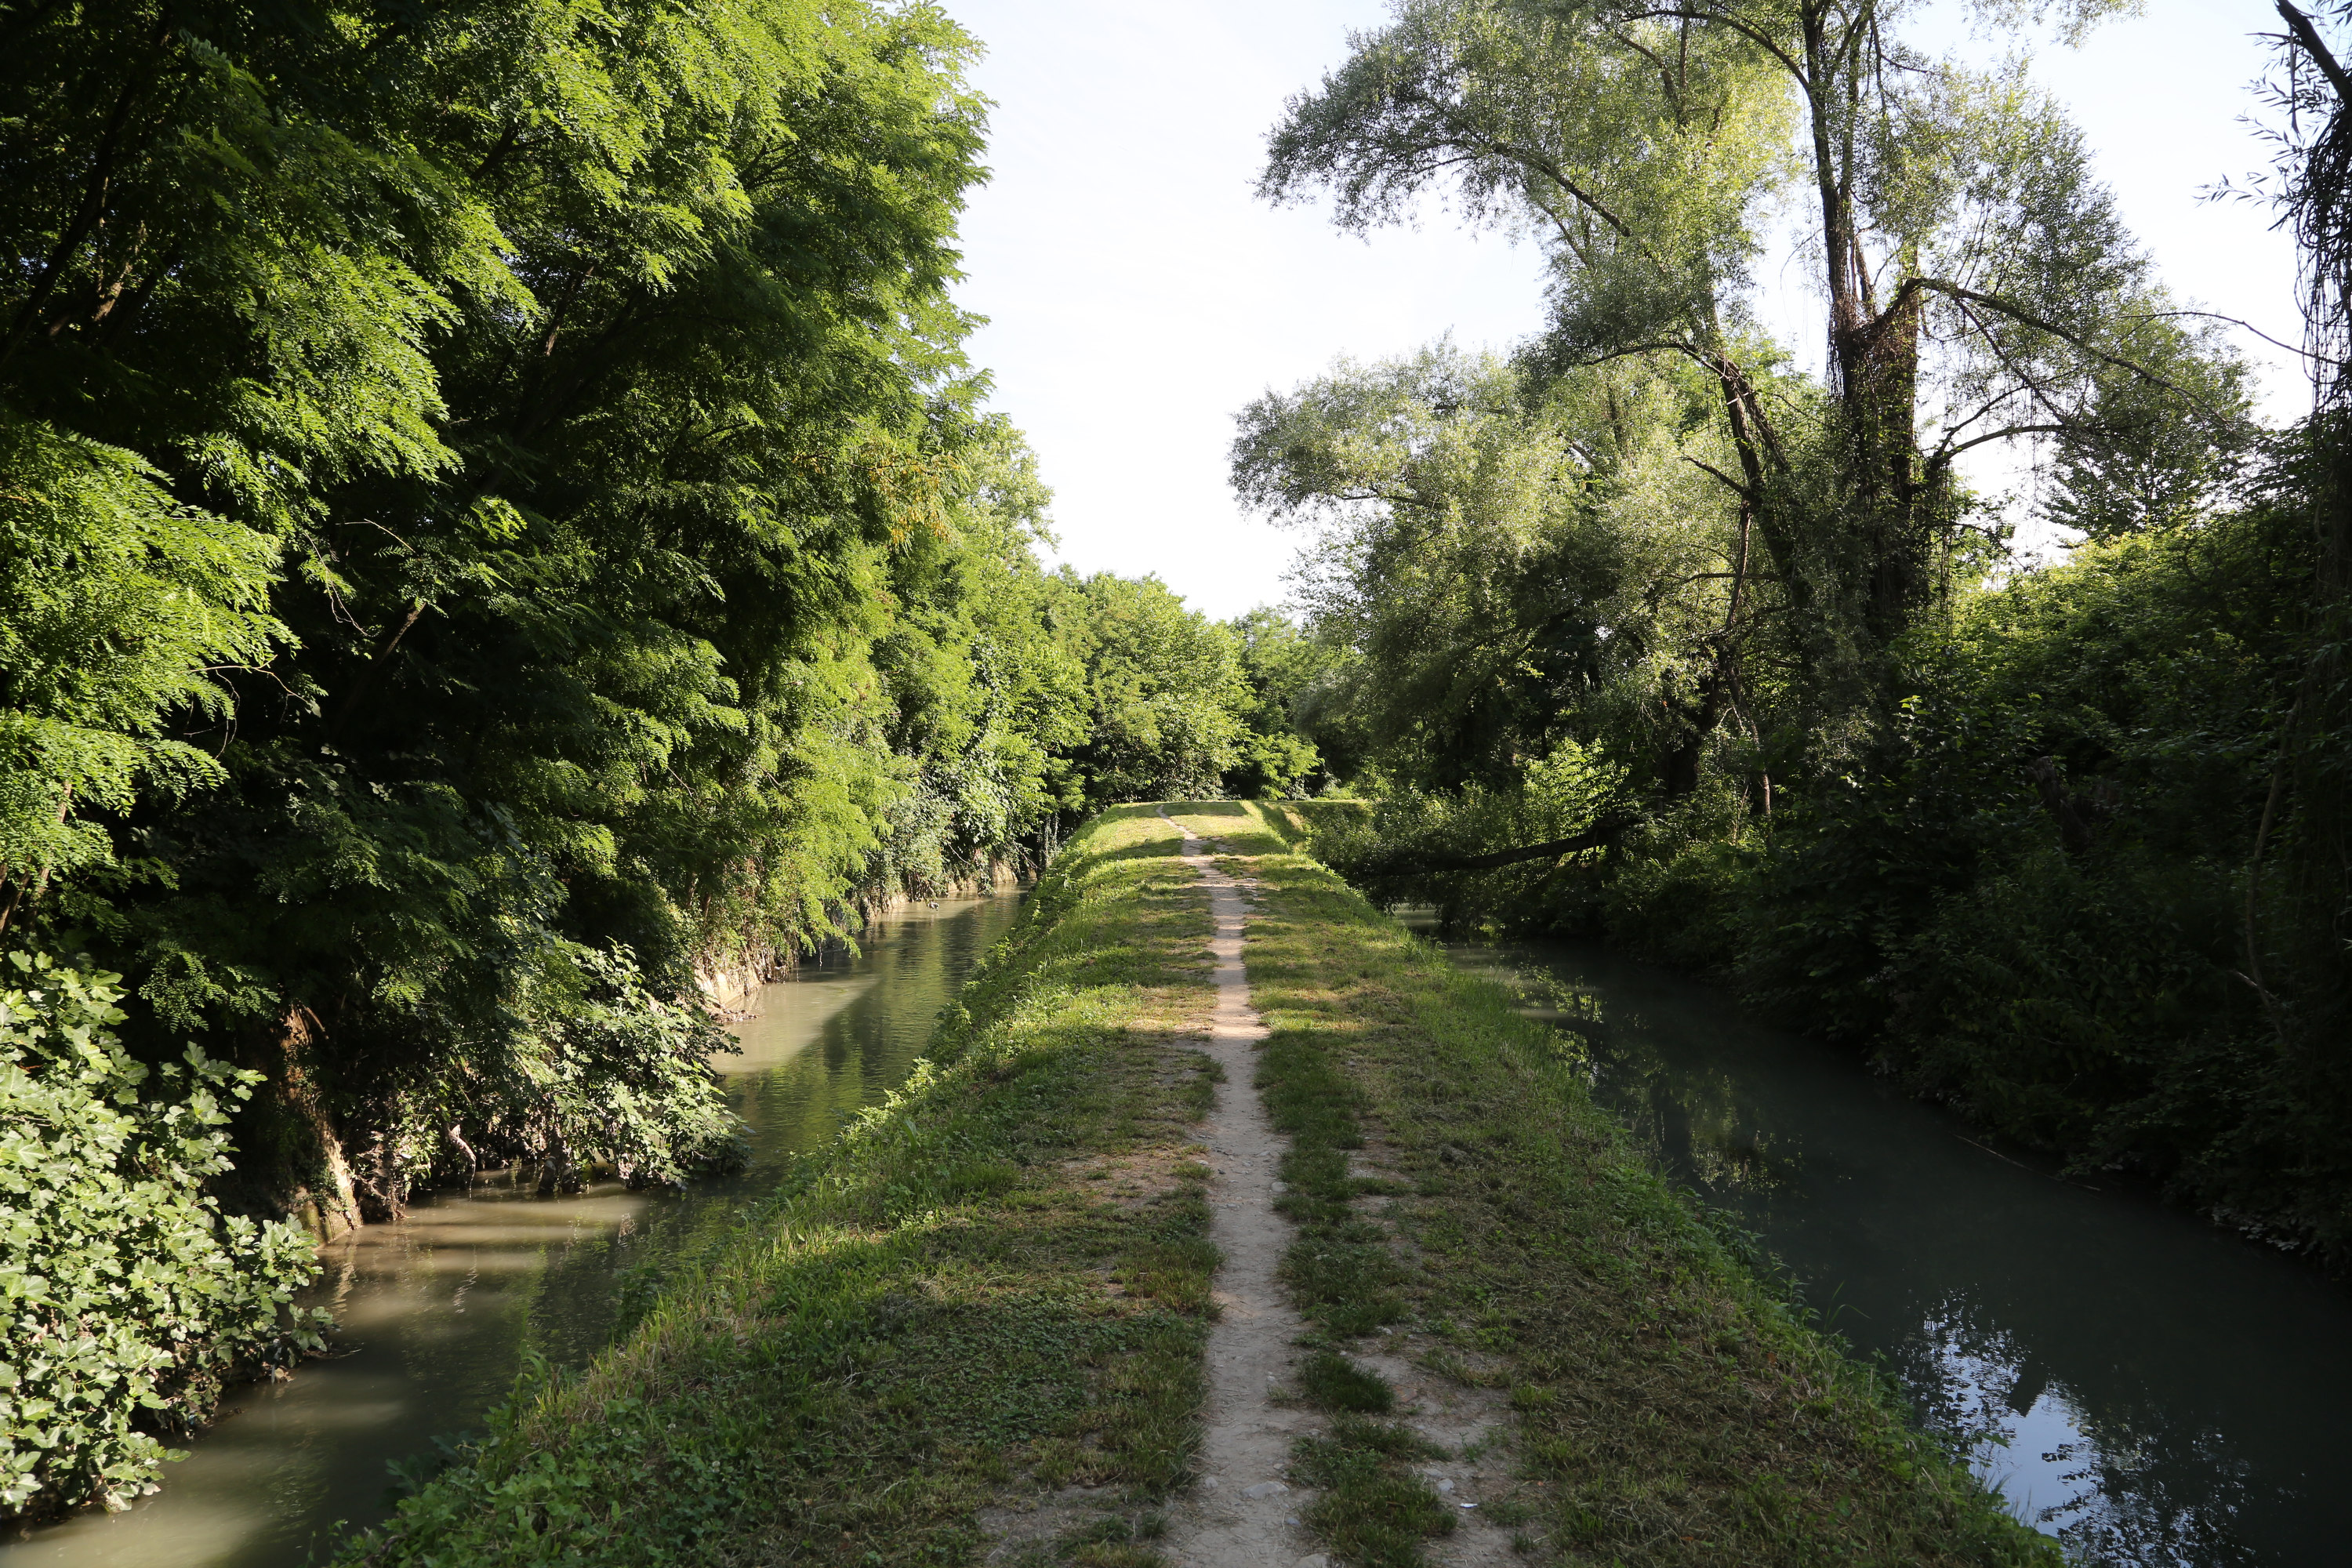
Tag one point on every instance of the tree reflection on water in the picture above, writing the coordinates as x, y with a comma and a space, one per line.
2145, 1388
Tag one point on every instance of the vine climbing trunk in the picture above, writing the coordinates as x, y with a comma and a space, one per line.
1879, 374
2316, 821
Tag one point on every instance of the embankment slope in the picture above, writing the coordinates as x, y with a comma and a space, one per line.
1470, 1220
993, 1286
975, 1329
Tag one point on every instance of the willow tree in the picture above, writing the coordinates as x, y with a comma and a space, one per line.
1980, 289
1515, 562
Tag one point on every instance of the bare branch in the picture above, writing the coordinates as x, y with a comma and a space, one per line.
2017, 313
1944, 455
2248, 326
1596, 837
2308, 36
1760, 39
1741, 490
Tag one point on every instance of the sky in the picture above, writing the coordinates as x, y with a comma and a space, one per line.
1139, 295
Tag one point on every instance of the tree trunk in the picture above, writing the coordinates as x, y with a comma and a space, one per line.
1879, 373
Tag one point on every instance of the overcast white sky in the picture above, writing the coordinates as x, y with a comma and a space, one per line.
1139, 296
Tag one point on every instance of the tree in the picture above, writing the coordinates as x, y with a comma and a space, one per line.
1163, 684
1979, 288
2311, 771
589, 378
119, 608
990, 704
1513, 561
1281, 667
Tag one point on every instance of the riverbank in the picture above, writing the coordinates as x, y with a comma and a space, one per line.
441, 1310
1457, 1187
994, 1284
976, 1326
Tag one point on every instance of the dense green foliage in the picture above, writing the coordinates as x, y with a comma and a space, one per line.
2045, 898
1978, 284
580, 390
498, 522
118, 600
128, 1297
1286, 679
499, 532
1492, 547
998, 1277
1640, 631
1162, 687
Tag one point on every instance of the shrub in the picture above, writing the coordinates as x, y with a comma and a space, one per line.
130, 1297
593, 1071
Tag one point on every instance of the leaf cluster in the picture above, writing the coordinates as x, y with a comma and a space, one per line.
498, 538
130, 1297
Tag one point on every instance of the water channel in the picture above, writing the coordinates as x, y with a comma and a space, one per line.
438, 1313
2149, 1389
2152, 1391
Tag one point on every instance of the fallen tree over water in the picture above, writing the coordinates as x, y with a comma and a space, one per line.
1410, 862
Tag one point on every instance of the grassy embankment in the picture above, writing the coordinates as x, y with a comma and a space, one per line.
997, 1286
1670, 1409
996, 1283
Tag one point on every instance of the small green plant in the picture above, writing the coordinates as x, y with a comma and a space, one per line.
130, 1298
1339, 1269
1334, 1382
1374, 1512
1114, 1541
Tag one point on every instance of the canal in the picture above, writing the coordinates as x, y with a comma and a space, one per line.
2149, 1389
438, 1314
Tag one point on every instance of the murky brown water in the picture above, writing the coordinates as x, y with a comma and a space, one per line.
440, 1312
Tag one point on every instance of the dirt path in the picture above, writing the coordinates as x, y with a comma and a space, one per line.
1241, 1514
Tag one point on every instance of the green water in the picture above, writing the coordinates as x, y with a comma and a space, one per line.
438, 1313
2149, 1389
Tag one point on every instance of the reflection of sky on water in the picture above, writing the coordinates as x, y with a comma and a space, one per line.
2109, 1494
437, 1314
2148, 1390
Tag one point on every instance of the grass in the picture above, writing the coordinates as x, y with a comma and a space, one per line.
1373, 1511
1331, 1381
994, 1286
1669, 1408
